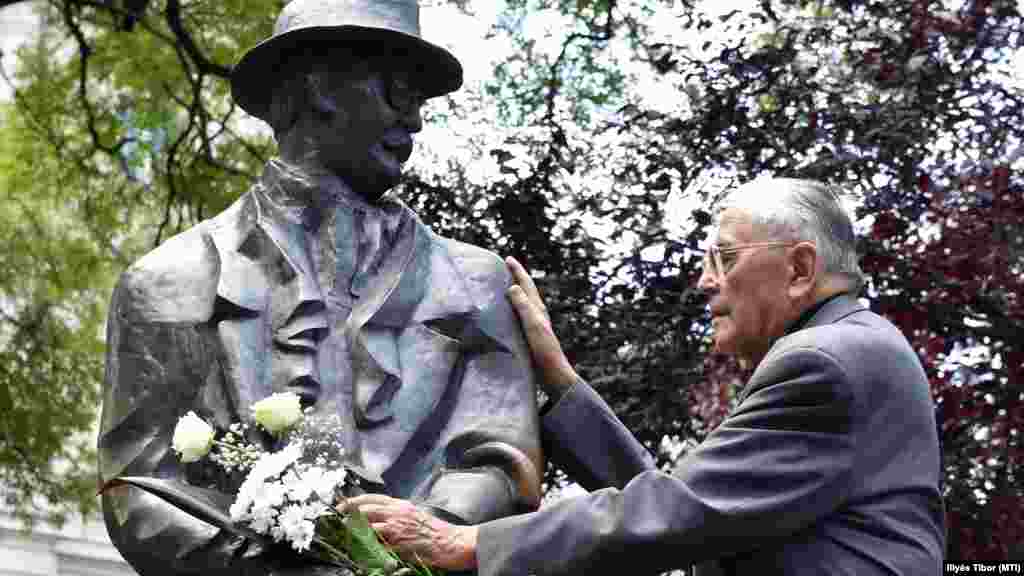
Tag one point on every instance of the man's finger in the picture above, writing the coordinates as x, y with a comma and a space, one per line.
520, 300
364, 502
555, 373
375, 514
371, 499
530, 315
382, 529
524, 280
544, 345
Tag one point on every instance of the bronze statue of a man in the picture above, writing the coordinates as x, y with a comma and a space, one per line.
317, 282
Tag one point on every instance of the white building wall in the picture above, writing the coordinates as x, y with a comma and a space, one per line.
77, 549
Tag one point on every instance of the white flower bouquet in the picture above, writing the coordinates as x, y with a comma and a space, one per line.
288, 495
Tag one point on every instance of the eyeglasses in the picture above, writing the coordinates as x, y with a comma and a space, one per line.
719, 260
402, 97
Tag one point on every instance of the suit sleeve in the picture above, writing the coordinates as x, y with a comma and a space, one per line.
493, 464
581, 413
779, 463
156, 372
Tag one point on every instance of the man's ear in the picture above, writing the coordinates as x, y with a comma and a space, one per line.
803, 270
321, 103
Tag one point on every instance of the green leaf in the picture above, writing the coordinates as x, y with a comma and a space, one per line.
365, 547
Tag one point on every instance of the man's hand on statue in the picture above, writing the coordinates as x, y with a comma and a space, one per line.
415, 534
556, 373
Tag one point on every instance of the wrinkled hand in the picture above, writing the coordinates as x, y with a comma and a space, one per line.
415, 534
555, 372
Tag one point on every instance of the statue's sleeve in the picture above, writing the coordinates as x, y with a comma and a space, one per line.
493, 462
156, 372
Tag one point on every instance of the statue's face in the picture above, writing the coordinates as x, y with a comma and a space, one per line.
364, 128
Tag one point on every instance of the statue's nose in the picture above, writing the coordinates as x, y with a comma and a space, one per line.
413, 120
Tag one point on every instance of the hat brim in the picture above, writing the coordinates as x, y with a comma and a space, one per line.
437, 71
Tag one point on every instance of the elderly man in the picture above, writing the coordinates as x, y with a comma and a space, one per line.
829, 464
317, 282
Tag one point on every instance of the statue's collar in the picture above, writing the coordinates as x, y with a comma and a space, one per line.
274, 227
303, 195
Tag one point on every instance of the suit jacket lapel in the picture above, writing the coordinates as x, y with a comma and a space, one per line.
415, 283
260, 255
374, 358
266, 271
243, 280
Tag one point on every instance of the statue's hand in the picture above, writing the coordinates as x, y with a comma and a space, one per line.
417, 535
553, 368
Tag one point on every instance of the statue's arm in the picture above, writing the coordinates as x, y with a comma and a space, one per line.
493, 460
156, 372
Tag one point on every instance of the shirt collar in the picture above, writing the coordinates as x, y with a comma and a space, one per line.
301, 194
805, 318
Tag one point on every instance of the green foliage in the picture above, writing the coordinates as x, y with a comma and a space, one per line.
101, 156
54, 282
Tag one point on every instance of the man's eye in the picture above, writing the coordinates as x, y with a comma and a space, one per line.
728, 260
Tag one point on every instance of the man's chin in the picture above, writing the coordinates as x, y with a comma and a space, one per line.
723, 350
721, 343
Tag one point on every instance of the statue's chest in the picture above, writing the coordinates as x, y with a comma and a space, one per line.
419, 367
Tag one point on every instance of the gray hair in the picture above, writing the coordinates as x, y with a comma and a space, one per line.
799, 210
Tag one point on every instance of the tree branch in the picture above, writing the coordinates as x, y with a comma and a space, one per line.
205, 66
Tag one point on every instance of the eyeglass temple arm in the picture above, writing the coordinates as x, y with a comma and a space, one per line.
738, 247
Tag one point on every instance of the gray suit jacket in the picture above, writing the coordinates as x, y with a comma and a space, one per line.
828, 465
441, 394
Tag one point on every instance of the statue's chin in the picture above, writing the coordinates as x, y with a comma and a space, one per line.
375, 188
373, 196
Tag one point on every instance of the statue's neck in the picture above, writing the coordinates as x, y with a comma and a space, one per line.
306, 192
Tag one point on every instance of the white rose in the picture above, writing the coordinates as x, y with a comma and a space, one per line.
193, 438
278, 412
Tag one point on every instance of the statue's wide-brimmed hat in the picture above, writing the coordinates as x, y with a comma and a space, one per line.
380, 26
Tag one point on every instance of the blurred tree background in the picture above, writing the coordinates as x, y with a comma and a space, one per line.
594, 148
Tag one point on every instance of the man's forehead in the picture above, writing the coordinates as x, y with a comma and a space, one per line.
732, 226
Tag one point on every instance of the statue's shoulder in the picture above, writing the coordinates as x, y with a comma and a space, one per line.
479, 267
177, 280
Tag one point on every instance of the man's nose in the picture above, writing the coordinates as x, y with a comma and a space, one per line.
707, 282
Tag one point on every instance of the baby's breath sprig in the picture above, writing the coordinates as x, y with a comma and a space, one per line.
234, 452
